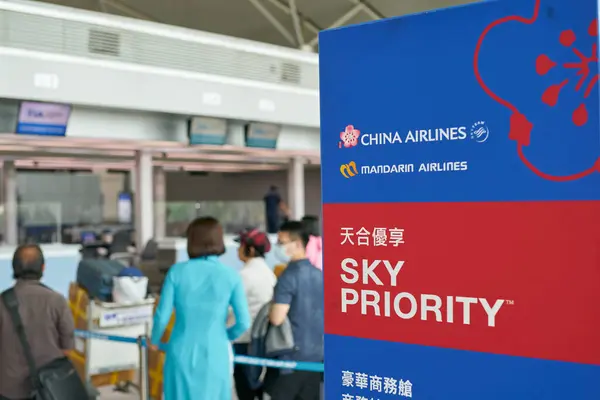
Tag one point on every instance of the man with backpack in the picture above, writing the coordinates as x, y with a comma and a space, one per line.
46, 322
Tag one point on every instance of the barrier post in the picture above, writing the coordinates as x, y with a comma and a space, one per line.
143, 371
88, 344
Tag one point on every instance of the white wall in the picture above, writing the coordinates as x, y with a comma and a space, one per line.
106, 123
107, 83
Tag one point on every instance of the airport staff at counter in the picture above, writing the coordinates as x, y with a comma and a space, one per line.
276, 210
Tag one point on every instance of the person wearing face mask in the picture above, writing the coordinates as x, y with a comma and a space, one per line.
298, 297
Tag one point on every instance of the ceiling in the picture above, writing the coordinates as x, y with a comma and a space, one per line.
270, 21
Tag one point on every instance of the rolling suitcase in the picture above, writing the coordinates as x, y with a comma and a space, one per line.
96, 277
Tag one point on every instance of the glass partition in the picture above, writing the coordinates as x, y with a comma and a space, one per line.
234, 215
56, 222
67, 206
40, 223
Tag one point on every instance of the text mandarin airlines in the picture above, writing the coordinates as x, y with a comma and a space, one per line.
449, 166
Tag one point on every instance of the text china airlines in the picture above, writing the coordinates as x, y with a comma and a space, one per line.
416, 136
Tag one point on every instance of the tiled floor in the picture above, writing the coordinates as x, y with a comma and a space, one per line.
107, 393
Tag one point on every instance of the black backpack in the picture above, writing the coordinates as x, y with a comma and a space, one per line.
57, 380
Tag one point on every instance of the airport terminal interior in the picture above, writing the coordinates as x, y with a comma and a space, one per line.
131, 118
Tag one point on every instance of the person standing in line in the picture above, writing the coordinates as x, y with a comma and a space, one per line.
259, 281
47, 321
275, 208
200, 291
298, 297
314, 248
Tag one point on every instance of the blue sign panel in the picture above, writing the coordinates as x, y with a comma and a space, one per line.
208, 131
45, 119
124, 208
461, 204
262, 135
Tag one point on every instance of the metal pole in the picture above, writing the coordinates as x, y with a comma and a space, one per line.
274, 21
128, 11
143, 371
308, 24
88, 343
59, 223
340, 21
369, 9
297, 24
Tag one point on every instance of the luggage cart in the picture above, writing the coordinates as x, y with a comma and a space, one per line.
102, 357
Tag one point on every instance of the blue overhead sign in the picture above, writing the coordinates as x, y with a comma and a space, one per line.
262, 135
46, 119
203, 130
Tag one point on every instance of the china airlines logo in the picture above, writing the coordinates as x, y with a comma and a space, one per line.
349, 137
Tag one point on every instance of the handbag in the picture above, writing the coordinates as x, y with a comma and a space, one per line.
57, 380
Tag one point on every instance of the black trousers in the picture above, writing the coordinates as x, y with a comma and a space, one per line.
273, 225
244, 392
298, 385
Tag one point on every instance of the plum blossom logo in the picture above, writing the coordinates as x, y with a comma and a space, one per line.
520, 125
544, 64
349, 137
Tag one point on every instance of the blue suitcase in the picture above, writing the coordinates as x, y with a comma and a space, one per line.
96, 277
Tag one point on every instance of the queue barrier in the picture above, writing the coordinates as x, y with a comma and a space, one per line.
143, 341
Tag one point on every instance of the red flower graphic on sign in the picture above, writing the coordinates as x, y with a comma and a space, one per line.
520, 126
349, 137
544, 64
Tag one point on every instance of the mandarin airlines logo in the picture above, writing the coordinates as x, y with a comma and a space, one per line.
353, 137
349, 170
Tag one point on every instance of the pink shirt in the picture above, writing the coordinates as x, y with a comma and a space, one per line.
314, 251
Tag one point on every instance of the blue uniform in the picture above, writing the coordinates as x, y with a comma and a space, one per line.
200, 291
272, 210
